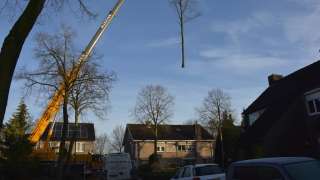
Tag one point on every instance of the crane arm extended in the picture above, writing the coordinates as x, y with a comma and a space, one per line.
55, 102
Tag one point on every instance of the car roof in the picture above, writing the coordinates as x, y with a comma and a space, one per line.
201, 165
274, 160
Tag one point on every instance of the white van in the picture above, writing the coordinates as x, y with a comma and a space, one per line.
118, 166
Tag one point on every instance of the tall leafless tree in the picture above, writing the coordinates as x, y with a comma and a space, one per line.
154, 107
57, 56
186, 11
14, 41
116, 141
90, 92
211, 112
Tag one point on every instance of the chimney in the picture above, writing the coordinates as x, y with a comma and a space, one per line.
273, 78
197, 130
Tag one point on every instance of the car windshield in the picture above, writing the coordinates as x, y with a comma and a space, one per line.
177, 173
208, 170
304, 171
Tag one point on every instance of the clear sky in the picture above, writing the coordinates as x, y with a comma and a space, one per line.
234, 45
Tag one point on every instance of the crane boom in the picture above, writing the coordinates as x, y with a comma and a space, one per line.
55, 102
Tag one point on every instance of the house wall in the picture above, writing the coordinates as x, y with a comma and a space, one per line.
200, 151
87, 146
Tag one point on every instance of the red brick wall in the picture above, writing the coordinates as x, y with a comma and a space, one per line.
204, 150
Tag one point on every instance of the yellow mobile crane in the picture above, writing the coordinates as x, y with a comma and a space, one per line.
55, 102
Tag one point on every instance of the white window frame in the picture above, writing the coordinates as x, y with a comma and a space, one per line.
187, 148
180, 149
161, 147
80, 147
312, 96
255, 116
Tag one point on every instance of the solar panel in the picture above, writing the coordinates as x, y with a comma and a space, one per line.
83, 132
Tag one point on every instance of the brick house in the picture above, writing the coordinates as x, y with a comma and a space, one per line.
285, 119
176, 143
84, 134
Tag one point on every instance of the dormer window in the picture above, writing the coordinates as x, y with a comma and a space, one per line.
313, 102
254, 116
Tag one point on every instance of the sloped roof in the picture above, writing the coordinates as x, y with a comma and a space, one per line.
167, 132
287, 88
82, 132
278, 98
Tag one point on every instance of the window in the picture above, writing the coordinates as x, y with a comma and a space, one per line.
313, 102
317, 103
80, 147
208, 170
185, 148
254, 116
269, 173
256, 172
178, 174
181, 148
306, 170
186, 172
245, 173
311, 107
160, 147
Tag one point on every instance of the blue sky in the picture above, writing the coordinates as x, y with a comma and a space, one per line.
234, 45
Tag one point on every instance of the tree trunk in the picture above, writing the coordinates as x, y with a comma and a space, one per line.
182, 35
155, 158
62, 148
74, 136
221, 137
155, 141
12, 46
182, 44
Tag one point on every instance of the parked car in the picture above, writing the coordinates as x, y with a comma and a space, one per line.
200, 172
118, 166
279, 168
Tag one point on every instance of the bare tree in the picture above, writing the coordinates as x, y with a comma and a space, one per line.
57, 56
154, 107
186, 11
55, 60
90, 92
116, 141
211, 113
101, 144
13, 42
